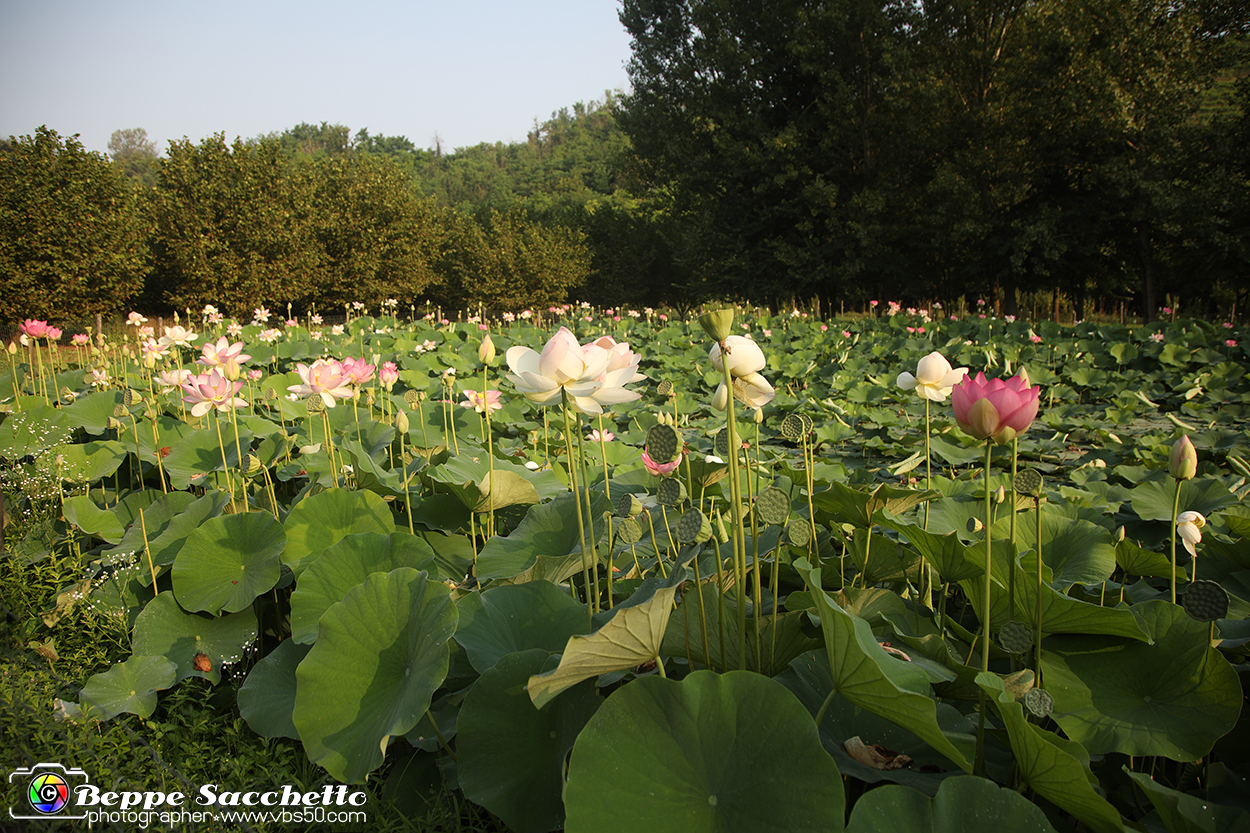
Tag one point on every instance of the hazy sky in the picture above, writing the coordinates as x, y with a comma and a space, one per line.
469, 70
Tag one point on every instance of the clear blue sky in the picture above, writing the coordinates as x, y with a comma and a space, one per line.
469, 70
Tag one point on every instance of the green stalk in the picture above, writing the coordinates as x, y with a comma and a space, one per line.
581, 528
1176, 506
1011, 576
735, 491
985, 608
1037, 627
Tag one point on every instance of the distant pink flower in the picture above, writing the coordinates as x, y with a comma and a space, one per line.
824, 328
177, 337
474, 399
1167, 310
659, 469
1035, 338
920, 330
846, 333
270, 335
873, 303
358, 371
211, 390
995, 409
153, 351
388, 375
260, 315
662, 317
255, 375
81, 340
235, 329
291, 322
594, 436
1157, 336
980, 302
1228, 325
223, 356
34, 329
135, 320
53, 334
173, 378
1231, 342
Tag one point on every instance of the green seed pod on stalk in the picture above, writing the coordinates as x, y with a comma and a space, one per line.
664, 443
693, 528
1028, 482
1038, 702
120, 411
628, 506
799, 532
251, 464
721, 444
629, 531
664, 388
1206, 601
1016, 638
717, 324
772, 506
671, 492
792, 427
131, 398
315, 404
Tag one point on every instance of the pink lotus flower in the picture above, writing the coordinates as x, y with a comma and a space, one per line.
135, 320
659, 469
1231, 342
388, 375
52, 334
81, 340
211, 390
177, 337
358, 371
168, 379
995, 409
223, 356
474, 399
594, 436
255, 375
1035, 338
153, 351
325, 377
34, 329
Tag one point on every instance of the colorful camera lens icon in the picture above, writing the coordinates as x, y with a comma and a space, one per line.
49, 791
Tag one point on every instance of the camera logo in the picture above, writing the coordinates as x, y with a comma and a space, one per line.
49, 791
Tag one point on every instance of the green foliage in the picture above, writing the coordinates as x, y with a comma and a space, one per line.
73, 232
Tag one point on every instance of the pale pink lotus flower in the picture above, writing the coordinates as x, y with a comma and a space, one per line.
659, 469
223, 356
152, 352
594, 436
169, 379
177, 336
255, 375
234, 329
291, 322
315, 335
34, 329
260, 315
357, 371
52, 333
621, 357
211, 390
567, 370
270, 335
1157, 337
388, 375
994, 409
846, 333
146, 331
1188, 525
135, 320
357, 305
474, 399
336, 329
80, 340
210, 311
325, 377
934, 378
428, 345
315, 319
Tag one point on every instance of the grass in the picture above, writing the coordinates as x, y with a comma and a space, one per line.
196, 735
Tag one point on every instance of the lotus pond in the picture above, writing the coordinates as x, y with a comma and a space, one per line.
567, 578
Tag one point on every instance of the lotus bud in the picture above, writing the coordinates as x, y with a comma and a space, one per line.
486, 352
1000, 495
1119, 535
12, 347
401, 421
1183, 462
759, 416
717, 324
720, 399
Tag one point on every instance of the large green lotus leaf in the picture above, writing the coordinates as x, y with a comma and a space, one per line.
156, 520
809, 679
326, 518
1060, 613
1138, 561
870, 678
346, 564
84, 462
517, 617
1184, 813
512, 754
631, 637
1055, 768
961, 804
168, 432
165, 544
725, 753
946, 553
1077, 552
466, 474
199, 453
82, 512
93, 411
229, 561
372, 476
128, 686
267, 697
1152, 501
547, 529
1173, 697
165, 629
380, 655
33, 430
847, 505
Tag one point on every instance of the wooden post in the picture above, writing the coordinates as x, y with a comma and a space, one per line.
98, 325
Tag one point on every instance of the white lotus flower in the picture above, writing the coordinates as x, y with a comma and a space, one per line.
1188, 525
591, 376
934, 378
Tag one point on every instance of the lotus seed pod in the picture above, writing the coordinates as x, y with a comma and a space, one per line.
315, 404
1038, 702
721, 533
671, 492
412, 397
664, 443
1183, 461
1205, 601
628, 506
808, 425
792, 427
1028, 482
799, 532
664, 388
772, 506
629, 530
1016, 638
975, 525
120, 411
270, 394
131, 398
251, 464
401, 421
721, 445
717, 324
693, 528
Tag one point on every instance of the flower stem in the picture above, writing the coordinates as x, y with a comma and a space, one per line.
985, 608
1176, 505
581, 528
735, 491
